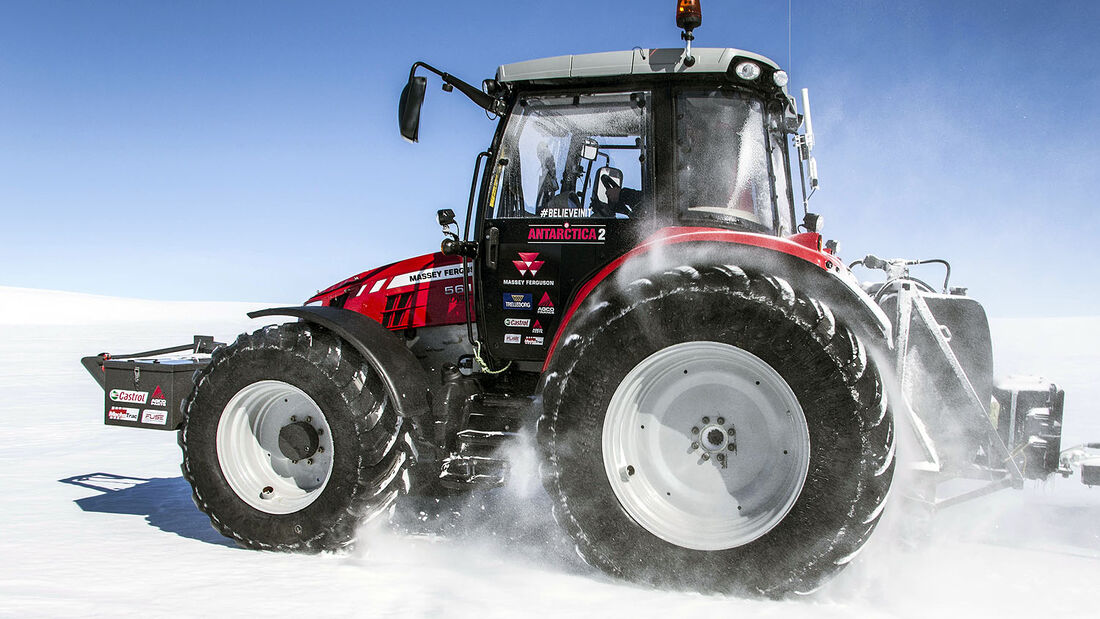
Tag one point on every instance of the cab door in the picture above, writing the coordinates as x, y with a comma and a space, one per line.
571, 190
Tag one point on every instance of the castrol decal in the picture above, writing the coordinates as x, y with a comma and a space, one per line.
133, 397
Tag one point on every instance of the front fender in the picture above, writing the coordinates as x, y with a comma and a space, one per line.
402, 373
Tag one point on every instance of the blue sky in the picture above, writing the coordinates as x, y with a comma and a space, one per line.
249, 151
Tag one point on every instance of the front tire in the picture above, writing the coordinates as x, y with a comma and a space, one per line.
631, 437
290, 440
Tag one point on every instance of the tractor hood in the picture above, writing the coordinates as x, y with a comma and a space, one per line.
423, 291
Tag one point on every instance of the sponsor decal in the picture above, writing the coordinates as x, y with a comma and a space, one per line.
134, 397
546, 306
537, 327
119, 413
157, 418
158, 398
512, 338
517, 322
534, 340
528, 263
453, 271
565, 212
528, 282
567, 233
517, 300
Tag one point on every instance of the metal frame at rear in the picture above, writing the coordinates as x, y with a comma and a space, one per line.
913, 313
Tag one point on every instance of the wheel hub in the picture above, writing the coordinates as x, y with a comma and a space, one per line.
298, 440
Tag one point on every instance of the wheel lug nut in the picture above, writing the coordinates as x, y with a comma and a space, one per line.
309, 419
322, 431
695, 430
293, 418
721, 457
320, 450
731, 447
309, 461
706, 456
731, 432
706, 419
721, 421
294, 462
695, 445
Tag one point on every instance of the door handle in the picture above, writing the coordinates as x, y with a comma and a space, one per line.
492, 242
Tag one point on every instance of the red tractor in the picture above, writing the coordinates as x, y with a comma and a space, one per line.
707, 380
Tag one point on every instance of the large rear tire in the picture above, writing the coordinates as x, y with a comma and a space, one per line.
710, 429
290, 440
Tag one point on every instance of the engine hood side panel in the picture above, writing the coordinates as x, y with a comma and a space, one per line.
425, 291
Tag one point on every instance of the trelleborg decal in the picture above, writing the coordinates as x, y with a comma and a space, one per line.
517, 301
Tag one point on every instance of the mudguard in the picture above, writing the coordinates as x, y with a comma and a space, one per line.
384, 350
821, 274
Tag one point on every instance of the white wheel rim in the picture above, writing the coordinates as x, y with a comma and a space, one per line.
671, 480
249, 454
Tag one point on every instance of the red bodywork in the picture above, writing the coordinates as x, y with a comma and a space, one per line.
426, 291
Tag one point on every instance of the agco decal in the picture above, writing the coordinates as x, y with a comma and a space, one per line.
517, 301
135, 397
536, 328
118, 413
546, 306
512, 338
517, 322
158, 418
158, 398
566, 233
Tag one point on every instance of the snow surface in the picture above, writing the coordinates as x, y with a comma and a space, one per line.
97, 520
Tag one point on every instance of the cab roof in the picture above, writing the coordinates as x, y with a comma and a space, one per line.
637, 61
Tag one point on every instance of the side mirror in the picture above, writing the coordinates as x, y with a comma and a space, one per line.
589, 149
408, 111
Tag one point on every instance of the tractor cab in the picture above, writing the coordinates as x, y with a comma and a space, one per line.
595, 153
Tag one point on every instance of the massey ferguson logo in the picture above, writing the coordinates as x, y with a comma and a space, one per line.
546, 306
134, 397
158, 398
528, 263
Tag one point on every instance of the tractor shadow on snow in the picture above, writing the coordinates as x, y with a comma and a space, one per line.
165, 502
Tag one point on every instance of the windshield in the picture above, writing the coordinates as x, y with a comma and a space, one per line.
573, 156
722, 158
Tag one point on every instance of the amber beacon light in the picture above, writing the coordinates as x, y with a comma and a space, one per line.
688, 15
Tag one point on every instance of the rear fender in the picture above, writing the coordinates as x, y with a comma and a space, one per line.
825, 279
403, 374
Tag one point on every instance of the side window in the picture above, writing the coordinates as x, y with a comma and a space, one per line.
782, 183
573, 156
721, 158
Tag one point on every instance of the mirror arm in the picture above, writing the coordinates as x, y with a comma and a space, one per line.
474, 94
